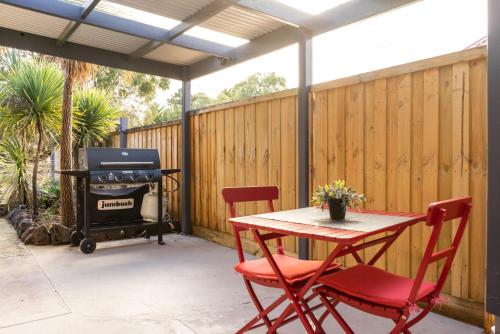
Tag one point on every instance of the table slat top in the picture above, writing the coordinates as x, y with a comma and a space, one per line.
315, 223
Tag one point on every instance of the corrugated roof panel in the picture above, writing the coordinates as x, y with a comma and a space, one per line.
31, 22
106, 39
176, 55
238, 22
177, 10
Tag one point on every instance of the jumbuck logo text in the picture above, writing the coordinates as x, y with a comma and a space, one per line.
115, 204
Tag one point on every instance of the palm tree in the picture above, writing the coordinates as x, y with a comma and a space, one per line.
95, 117
31, 93
74, 72
14, 175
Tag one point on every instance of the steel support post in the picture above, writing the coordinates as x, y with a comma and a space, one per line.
493, 243
186, 158
122, 130
305, 81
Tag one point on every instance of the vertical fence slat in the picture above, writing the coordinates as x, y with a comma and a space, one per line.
380, 150
403, 169
445, 149
319, 155
478, 164
288, 160
460, 170
229, 153
391, 185
417, 110
220, 171
430, 168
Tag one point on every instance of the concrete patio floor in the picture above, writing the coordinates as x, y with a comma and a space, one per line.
135, 286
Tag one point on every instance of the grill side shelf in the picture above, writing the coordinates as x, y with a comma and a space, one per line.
78, 173
170, 171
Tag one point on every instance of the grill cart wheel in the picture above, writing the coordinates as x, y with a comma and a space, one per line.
76, 237
87, 246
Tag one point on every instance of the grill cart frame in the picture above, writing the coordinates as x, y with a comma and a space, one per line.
85, 227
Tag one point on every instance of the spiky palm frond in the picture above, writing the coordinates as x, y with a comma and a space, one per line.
33, 94
10, 59
14, 174
31, 97
95, 117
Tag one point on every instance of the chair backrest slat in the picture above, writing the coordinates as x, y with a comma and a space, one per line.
454, 208
250, 194
234, 195
438, 214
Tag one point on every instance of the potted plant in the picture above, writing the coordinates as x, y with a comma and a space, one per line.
338, 197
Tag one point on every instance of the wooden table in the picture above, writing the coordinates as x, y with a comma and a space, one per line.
314, 223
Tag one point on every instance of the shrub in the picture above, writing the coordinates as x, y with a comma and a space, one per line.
49, 196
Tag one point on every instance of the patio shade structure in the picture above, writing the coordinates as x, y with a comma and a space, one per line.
117, 33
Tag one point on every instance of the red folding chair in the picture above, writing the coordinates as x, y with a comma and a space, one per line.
378, 292
295, 271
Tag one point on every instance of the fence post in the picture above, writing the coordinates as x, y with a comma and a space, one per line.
122, 129
493, 117
186, 156
305, 81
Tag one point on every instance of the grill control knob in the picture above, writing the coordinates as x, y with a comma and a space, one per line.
118, 177
102, 178
149, 176
133, 177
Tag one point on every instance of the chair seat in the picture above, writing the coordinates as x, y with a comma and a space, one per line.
294, 270
375, 285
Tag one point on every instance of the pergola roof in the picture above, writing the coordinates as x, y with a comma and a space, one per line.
110, 33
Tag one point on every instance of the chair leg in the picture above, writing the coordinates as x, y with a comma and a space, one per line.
336, 314
323, 316
308, 311
400, 325
419, 317
405, 330
252, 323
258, 305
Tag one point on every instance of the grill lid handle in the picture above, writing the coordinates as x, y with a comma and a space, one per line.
124, 164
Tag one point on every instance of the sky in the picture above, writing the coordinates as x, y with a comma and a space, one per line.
422, 30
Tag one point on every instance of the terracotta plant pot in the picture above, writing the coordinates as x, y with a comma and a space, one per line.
337, 209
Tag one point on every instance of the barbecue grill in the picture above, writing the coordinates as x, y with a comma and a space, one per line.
111, 184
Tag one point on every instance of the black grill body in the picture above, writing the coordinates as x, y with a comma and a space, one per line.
111, 184
116, 205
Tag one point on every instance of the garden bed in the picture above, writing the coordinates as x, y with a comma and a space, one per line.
48, 230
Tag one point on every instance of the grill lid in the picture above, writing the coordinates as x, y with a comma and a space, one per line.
117, 158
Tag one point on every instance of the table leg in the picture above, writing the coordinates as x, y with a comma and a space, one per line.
355, 254
297, 299
386, 245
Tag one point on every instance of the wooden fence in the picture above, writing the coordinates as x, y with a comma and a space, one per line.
404, 136
167, 138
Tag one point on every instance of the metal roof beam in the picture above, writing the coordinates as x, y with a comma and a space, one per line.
199, 17
87, 8
72, 12
350, 12
193, 20
46, 45
276, 10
